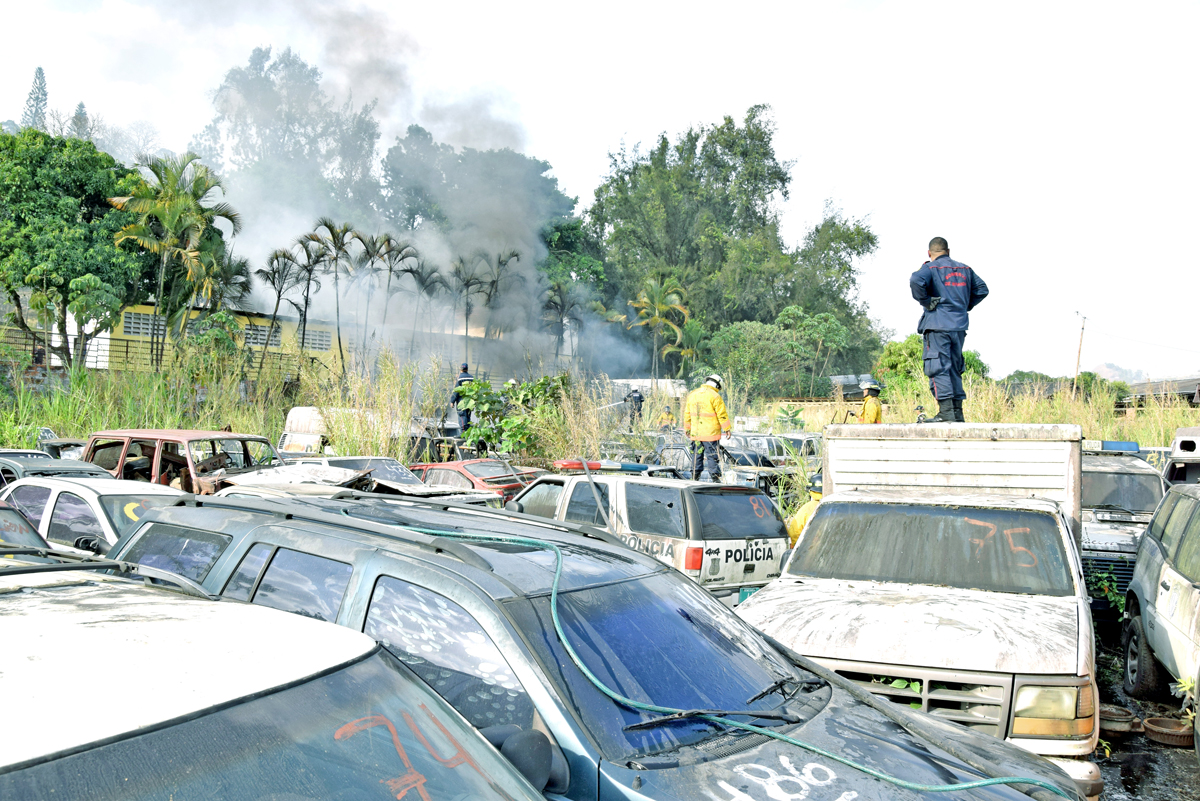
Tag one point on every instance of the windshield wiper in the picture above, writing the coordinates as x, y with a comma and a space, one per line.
781, 683
1117, 508
693, 713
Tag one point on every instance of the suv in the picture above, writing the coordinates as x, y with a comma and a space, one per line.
501, 628
232, 701
13, 468
1120, 493
1183, 464
969, 608
1162, 607
729, 540
193, 461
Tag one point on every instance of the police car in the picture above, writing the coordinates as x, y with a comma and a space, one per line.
731, 540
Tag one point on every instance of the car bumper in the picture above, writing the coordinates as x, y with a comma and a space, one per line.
1085, 774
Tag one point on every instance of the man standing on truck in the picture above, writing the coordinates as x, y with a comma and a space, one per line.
946, 290
705, 421
872, 409
464, 415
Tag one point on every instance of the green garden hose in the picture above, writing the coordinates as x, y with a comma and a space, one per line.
665, 710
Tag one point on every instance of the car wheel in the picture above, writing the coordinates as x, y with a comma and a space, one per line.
1141, 670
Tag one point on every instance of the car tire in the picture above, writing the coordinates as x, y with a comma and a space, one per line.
1142, 673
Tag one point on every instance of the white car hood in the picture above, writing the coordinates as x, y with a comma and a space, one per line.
921, 626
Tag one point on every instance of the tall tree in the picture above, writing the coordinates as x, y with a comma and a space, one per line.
658, 305
80, 127
466, 282
429, 282
337, 240
34, 115
690, 347
562, 308
310, 262
366, 265
59, 258
396, 254
498, 277
281, 274
175, 210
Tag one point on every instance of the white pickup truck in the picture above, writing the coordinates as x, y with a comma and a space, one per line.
943, 571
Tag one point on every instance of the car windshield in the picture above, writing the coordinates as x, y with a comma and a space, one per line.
997, 550
660, 640
125, 510
726, 515
239, 453
350, 734
386, 469
15, 530
489, 469
1137, 492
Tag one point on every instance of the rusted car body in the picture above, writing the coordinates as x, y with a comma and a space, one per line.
190, 460
484, 474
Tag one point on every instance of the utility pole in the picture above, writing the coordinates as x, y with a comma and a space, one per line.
1078, 354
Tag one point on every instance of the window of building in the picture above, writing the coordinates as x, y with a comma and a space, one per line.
256, 335
318, 340
139, 324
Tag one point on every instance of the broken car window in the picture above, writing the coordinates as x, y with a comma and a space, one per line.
542, 499
654, 510
188, 552
996, 550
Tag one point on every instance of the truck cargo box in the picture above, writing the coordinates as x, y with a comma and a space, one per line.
1004, 459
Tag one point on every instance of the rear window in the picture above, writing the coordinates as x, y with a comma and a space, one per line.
187, 552
488, 469
386, 469
655, 510
728, 515
997, 550
125, 510
1131, 492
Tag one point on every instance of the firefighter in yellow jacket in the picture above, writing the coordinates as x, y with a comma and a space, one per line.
705, 421
796, 523
872, 409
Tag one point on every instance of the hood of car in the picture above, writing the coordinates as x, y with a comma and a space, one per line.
724, 768
921, 626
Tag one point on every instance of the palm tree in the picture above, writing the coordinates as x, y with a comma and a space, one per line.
560, 307
466, 281
174, 211
656, 304
373, 248
395, 253
282, 274
337, 241
225, 284
429, 282
693, 340
497, 279
309, 262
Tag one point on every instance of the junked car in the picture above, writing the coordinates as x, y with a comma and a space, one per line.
389, 475
493, 475
468, 601
313, 490
739, 467
1120, 493
729, 540
227, 706
972, 609
1183, 464
13, 468
1162, 605
99, 510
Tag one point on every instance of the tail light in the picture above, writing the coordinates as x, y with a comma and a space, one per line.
693, 559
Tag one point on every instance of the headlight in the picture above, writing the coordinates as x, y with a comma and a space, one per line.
1061, 712
1089, 517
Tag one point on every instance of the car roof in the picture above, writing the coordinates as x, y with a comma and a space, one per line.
42, 463
185, 655
1126, 463
1190, 490
99, 486
923, 496
653, 481
503, 569
33, 453
172, 433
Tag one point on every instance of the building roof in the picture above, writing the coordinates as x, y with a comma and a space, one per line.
1175, 386
182, 653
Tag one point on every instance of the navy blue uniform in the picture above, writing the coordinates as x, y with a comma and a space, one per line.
944, 327
464, 415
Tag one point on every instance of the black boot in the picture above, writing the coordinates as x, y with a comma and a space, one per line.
958, 414
945, 412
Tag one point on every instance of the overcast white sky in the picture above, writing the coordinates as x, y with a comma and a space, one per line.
1053, 144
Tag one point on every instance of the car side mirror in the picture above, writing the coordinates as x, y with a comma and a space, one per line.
92, 543
531, 754
515, 506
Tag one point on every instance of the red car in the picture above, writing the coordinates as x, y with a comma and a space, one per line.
484, 474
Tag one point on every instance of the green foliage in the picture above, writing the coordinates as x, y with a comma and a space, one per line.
57, 234
1104, 585
508, 420
750, 355
901, 367
572, 253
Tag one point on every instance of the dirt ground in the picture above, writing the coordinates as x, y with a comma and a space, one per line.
1138, 767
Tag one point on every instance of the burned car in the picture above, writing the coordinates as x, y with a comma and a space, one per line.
529, 625
13, 468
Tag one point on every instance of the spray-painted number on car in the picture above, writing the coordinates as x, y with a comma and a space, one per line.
788, 784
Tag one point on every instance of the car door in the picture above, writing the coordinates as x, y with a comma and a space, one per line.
1179, 608
581, 506
653, 519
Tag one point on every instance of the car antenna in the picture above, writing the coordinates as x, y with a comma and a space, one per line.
596, 494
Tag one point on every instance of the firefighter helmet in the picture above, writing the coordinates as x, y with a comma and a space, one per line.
715, 380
